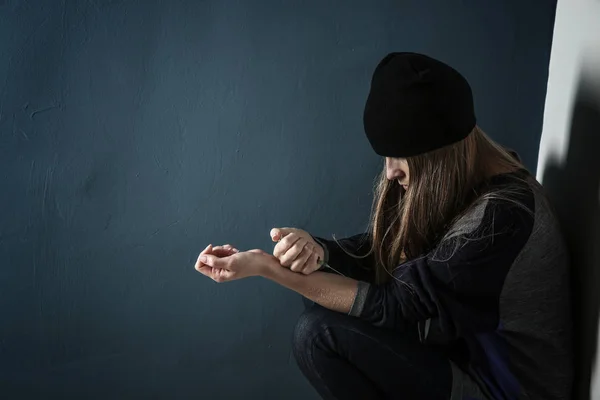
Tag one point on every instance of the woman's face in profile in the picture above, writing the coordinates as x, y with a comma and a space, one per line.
397, 168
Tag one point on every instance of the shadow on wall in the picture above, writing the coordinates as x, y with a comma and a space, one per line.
574, 189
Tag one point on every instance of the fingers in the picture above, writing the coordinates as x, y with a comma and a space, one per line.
299, 262
222, 275
219, 251
312, 264
227, 247
286, 244
287, 258
217, 274
199, 263
279, 233
213, 261
295, 249
224, 251
308, 262
230, 247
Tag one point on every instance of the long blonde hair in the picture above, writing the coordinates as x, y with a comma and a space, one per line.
443, 185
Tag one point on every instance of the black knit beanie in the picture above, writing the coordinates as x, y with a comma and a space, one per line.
415, 105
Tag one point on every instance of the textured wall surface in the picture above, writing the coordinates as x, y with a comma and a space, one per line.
134, 133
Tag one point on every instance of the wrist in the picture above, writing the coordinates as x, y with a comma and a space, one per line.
268, 269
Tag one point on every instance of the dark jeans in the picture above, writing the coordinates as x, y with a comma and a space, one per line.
346, 358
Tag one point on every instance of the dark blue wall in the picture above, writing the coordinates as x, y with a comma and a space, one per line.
132, 134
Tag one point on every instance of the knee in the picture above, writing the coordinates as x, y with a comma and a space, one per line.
311, 325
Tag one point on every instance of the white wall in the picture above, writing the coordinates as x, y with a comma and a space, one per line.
569, 167
575, 53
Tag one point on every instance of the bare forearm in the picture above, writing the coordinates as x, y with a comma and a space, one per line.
331, 291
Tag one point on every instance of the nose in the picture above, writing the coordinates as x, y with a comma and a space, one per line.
394, 173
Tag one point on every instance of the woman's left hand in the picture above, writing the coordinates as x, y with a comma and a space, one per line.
235, 266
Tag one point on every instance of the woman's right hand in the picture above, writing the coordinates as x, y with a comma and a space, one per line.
297, 250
